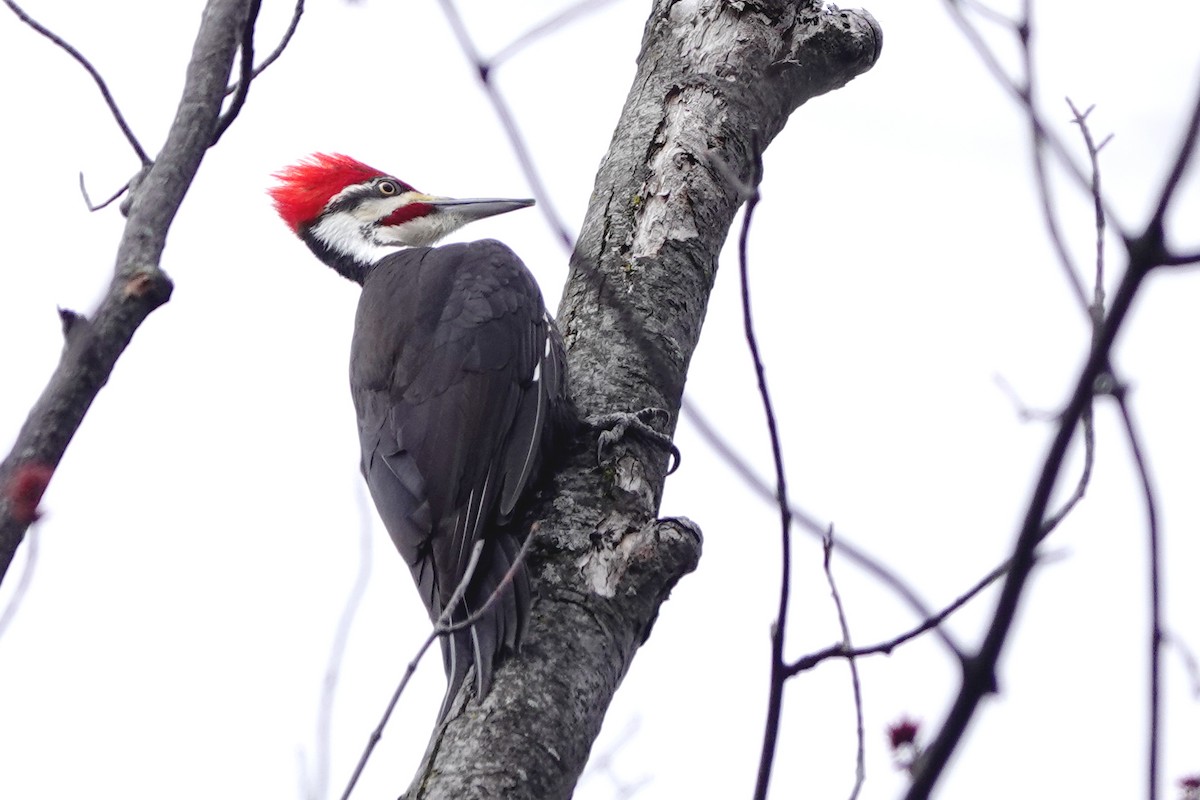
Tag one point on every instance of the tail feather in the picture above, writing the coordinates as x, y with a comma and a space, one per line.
457, 651
498, 630
522, 593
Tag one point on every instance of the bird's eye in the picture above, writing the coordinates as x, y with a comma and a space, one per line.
387, 188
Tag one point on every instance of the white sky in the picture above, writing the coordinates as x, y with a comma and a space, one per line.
202, 531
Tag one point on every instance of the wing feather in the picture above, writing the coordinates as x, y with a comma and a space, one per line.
455, 373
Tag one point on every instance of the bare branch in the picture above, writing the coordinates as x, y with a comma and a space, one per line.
1093, 150
18, 595
139, 285
1021, 28
319, 785
91, 70
1187, 147
1154, 724
989, 13
548, 26
246, 76
809, 523
1181, 259
1190, 664
860, 769
602, 764
88, 200
979, 670
1015, 90
297, 12
779, 627
1025, 412
885, 648
442, 627
505, 115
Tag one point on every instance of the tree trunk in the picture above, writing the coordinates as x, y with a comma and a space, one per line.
716, 82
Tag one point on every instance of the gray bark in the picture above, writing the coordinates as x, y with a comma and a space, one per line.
716, 82
139, 285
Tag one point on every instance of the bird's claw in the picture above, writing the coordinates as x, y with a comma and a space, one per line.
615, 426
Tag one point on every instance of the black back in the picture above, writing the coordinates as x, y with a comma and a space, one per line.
457, 375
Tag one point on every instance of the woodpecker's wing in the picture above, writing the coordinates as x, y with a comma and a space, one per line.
457, 377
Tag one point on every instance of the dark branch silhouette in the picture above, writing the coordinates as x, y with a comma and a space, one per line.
1038, 150
285, 40
885, 648
779, 628
1022, 31
139, 285
1153, 236
246, 75
91, 70
1144, 253
807, 522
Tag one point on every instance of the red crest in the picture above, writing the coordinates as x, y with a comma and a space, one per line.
306, 187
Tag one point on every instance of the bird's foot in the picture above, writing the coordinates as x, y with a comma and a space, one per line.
615, 426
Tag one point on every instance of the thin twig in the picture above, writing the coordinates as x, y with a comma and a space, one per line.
1088, 426
504, 113
18, 595
91, 70
885, 648
444, 618
809, 523
320, 782
779, 628
1093, 150
993, 65
246, 64
139, 284
442, 627
297, 12
88, 200
1156, 624
1187, 147
602, 764
1190, 664
988, 13
1024, 33
545, 28
1087, 423
979, 677
979, 672
1096, 312
1025, 412
860, 768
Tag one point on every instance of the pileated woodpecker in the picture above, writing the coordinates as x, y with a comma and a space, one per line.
457, 375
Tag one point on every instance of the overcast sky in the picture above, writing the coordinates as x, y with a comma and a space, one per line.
203, 530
